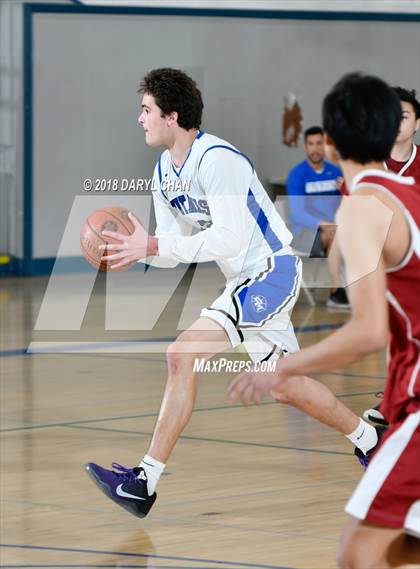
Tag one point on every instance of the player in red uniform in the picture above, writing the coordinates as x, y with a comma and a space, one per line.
378, 234
405, 161
405, 155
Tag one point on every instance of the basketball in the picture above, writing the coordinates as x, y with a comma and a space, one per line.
113, 218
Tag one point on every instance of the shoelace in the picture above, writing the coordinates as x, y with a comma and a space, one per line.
130, 473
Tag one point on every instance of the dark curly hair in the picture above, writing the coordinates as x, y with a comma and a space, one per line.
362, 115
173, 90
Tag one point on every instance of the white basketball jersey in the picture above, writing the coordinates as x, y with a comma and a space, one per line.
214, 208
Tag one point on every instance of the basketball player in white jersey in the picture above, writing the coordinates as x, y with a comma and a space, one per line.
211, 206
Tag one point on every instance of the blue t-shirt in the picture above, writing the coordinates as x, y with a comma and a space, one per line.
313, 196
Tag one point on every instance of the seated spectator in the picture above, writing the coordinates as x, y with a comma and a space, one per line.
312, 187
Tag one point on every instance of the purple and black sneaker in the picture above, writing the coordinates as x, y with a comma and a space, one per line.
363, 458
126, 486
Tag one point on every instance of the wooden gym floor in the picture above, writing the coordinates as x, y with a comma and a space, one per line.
258, 487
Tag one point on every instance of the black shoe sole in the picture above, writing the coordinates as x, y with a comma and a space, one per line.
126, 505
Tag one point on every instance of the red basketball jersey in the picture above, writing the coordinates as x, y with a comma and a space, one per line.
402, 391
409, 168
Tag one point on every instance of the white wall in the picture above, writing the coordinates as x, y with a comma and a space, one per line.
11, 125
86, 71
87, 68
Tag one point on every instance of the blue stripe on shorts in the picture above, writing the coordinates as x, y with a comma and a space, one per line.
269, 293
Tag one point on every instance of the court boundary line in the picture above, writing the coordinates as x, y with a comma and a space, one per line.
103, 344
155, 414
362, 375
211, 440
97, 566
142, 555
89, 565
174, 504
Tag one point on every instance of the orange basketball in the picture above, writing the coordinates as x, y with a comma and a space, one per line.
113, 218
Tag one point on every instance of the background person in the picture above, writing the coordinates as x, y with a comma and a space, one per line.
312, 188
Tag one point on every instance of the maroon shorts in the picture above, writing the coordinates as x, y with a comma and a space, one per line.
389, 492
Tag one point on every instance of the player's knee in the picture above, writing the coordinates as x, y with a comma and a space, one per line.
342, 559
282, 392
180, 353
280, 396
354, 556
347, 558
355, 561
174, 358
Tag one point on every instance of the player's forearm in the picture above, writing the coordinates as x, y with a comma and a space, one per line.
345, 346
208, 245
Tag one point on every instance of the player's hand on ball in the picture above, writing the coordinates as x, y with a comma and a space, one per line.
250, 386
130, 247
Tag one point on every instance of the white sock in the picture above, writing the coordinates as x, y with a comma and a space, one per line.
364, 437
153, 469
